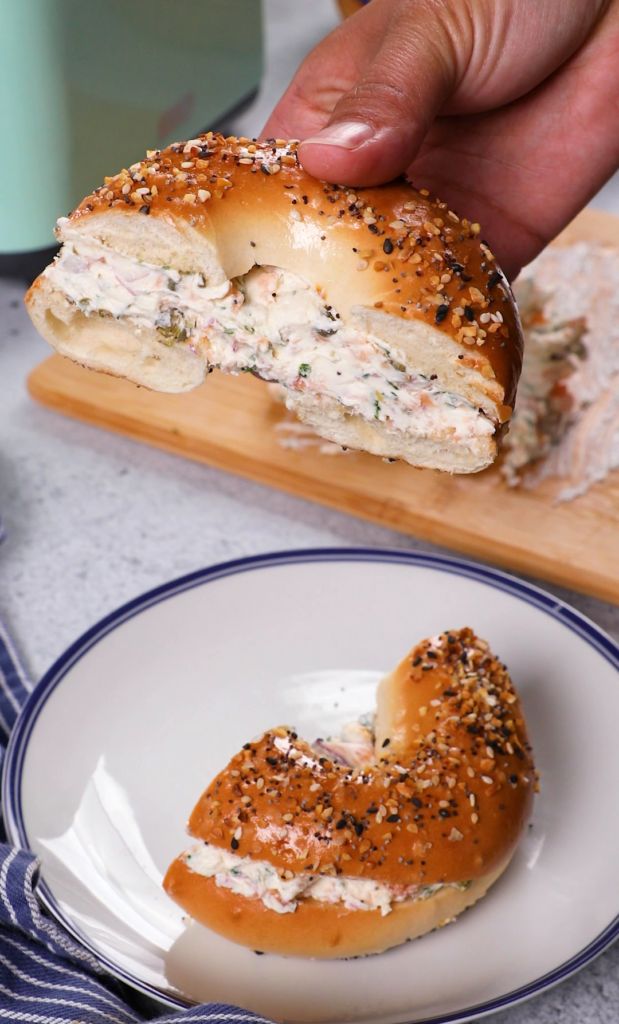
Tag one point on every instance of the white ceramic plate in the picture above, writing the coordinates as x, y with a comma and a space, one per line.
126, 729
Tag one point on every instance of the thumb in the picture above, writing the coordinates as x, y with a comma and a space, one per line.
377, 127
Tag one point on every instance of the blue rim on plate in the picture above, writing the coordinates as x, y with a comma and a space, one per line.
18, 744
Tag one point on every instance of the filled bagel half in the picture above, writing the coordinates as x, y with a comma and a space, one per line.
345, 849
379, 310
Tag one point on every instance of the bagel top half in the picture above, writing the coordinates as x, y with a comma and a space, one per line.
380, 311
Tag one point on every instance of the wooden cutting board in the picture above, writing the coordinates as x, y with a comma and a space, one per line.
235, 424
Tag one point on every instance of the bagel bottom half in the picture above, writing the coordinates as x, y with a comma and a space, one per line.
321, 930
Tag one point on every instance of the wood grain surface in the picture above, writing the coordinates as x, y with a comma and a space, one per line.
235, 424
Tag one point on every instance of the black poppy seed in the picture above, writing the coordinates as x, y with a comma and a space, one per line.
469, 314
443, 812
494, 279
416, 802
234, 843
386, 742
372, 809
416, 661
144, 209
431, 654
513, 779
272, 761
441, 312
393, 817
373, 228
388, 246
341, 823
358, 827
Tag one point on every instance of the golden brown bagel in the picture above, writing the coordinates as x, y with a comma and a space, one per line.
384, 316
442, 803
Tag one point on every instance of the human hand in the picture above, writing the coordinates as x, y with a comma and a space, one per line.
506, 109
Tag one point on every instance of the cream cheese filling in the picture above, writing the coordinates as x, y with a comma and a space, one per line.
257, 879
268, 322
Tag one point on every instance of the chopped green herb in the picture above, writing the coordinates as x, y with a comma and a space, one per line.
377, 406
249, 329
304, 370
228, 330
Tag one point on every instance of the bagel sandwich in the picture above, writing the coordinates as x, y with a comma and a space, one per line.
340, 850
380, 312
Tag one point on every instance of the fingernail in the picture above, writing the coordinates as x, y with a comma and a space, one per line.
346, 134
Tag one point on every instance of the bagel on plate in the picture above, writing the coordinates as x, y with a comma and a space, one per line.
379, 310
339, 850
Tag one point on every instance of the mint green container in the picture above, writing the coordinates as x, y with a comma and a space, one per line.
86, 86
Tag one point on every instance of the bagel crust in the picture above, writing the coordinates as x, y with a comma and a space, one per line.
434, 814
166, 266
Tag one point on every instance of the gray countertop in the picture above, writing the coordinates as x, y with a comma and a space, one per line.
93, 519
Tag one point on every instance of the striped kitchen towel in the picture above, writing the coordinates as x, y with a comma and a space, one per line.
46, 977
